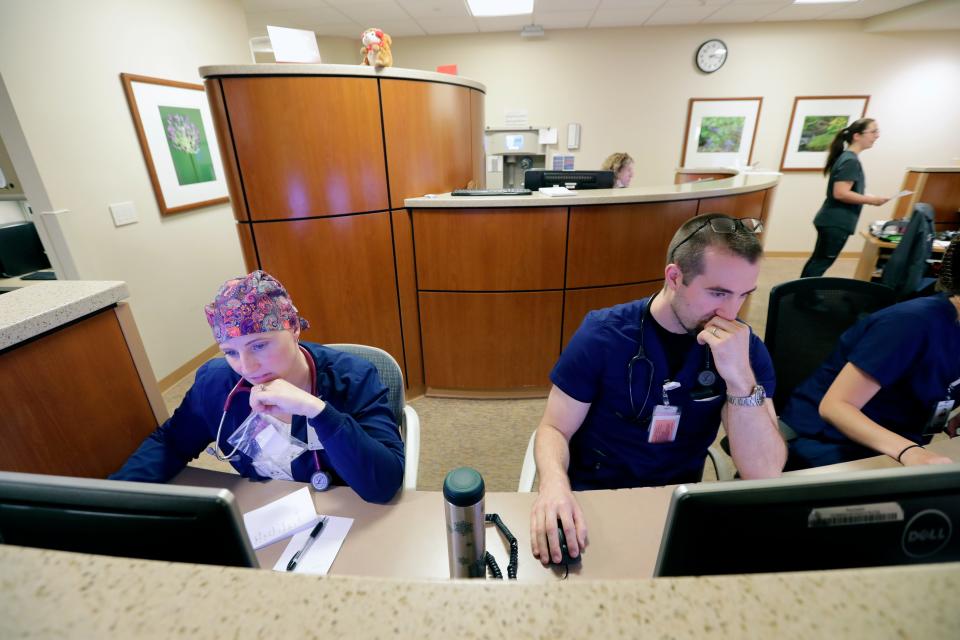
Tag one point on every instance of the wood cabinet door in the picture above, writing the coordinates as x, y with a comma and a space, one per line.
490, 249
622, 244
340, 274
490, 341
579, 302
307, 146
73, 401
427, 126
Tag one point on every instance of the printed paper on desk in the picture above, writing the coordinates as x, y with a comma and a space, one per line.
293, 45
280, 519
322, 552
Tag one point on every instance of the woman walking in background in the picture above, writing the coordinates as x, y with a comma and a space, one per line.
837, 219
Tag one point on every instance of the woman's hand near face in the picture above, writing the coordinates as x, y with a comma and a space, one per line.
279, 397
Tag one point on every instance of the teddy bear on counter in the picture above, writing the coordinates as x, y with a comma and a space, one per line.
375, 48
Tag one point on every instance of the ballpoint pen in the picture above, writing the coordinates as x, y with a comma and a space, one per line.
306, 545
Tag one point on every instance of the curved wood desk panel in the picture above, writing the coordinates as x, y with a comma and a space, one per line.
314, 154
490, 249
705, 173
307, 146
549, 265
427, 154
937, 186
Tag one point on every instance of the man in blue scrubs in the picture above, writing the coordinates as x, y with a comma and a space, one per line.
639, 392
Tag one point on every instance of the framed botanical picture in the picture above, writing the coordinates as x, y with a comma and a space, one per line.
720, 132
814, 123
179, 144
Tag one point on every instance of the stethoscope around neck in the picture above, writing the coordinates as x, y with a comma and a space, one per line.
320, 479
705, 379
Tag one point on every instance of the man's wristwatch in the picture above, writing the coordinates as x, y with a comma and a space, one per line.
755, 399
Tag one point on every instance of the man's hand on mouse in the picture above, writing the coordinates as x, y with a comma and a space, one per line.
555, 501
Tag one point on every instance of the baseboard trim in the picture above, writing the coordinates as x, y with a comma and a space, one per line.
805, 254
177, 374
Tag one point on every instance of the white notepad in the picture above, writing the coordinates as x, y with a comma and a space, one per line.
321, 554
280, 519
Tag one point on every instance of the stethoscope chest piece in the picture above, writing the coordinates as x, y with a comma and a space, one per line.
320, 480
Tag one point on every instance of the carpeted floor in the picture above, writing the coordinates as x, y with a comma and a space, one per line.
492, 435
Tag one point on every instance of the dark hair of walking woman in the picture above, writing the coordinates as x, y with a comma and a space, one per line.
843, 138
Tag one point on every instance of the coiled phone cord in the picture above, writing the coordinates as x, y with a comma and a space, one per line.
514, 550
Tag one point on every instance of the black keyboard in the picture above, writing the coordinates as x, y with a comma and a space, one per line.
491, 192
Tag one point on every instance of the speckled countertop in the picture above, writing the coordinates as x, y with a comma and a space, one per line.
45, 594
742, 183
33, 310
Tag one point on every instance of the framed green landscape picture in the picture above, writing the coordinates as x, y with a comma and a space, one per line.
814, 123
720, 132
179, 145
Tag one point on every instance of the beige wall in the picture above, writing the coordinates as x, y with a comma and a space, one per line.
61, 61
629, 90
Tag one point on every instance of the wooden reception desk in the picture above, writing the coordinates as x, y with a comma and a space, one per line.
504, 282
327, 166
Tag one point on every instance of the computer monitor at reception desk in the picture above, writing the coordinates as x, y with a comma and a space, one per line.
829, 521
132, 519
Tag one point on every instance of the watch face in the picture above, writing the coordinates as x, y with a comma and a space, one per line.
711, 55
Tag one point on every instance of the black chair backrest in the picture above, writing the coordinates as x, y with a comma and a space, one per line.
806, 317
905, 268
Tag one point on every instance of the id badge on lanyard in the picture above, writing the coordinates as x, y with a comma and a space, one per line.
666, 417
941, 414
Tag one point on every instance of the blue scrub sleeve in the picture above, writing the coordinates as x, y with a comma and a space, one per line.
889, 347
578, 371
176, 442
361, 439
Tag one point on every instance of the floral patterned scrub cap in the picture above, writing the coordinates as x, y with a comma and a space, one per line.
254, 303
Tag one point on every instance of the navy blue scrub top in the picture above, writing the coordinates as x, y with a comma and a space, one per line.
912, 349
610, 449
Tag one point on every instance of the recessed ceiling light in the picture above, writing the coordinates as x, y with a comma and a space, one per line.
488, 8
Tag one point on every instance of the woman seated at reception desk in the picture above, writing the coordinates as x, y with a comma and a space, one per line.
326, 412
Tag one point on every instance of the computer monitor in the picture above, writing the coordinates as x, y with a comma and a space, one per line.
534, 179
825, 521
21, 250
132, 519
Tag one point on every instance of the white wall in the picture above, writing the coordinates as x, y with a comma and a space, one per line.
629, 88
61, 62
10, 212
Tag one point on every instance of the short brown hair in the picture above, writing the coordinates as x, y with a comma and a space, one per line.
695, 235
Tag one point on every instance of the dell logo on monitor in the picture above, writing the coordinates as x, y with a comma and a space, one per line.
927, 533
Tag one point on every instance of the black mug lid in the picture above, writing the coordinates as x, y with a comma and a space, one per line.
463, 487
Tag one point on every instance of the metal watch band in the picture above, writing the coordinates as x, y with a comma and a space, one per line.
755, 399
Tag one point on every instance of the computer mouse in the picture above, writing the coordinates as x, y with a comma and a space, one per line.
565, 558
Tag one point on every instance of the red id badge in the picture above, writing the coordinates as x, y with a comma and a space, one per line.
664, 423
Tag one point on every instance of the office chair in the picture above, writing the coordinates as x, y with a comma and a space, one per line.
721, 464
805, 318
392, 378
907, 265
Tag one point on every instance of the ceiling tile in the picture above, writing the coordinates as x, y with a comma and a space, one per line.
741, 13
563, 19
551, 6
798, 12
680, 15
398, 28
371, 12
435, 8
502, 23
310, 19
437, 26
630, 4
621, 17
867, 9
280, 5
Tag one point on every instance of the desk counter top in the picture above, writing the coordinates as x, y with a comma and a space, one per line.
30, 311
67, 595
742, 183
320, 70
935, 169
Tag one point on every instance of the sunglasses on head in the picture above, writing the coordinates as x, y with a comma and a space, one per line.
723, 225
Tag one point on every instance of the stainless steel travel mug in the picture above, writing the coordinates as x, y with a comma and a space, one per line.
466, 541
